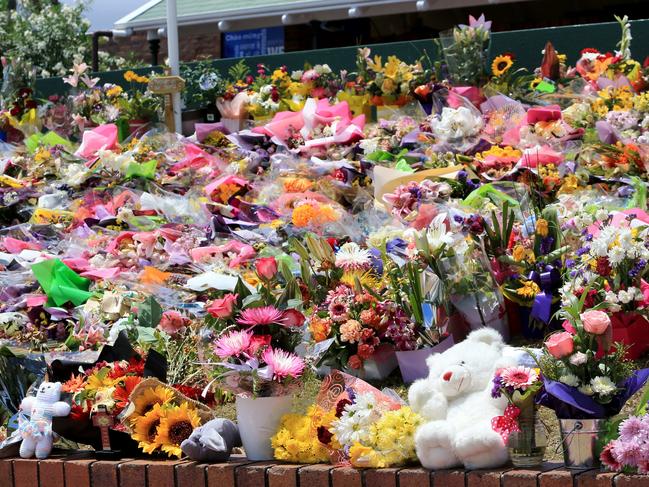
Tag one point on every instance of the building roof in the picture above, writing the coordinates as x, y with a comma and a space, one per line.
242, 14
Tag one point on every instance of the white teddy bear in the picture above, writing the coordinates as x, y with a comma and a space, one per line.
37, 430
456, 404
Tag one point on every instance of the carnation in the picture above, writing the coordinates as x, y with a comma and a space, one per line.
603, 385
569, 380
578, 358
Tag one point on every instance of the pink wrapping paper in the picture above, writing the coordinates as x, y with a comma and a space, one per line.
101, 138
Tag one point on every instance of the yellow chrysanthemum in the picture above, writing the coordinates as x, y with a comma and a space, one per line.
529, 290
542, 227
501, 65
176, 424
114, 91
145, 431
367, 279
149, 398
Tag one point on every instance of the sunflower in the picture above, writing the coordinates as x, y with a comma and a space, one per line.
535, 82
501, 64
146, 430
149, 398
176, 424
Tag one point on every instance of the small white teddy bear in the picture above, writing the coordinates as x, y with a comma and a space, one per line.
456, 404
37, 430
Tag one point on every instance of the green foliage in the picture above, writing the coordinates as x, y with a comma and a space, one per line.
47, 35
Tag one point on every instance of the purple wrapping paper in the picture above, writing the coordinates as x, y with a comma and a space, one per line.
568, 403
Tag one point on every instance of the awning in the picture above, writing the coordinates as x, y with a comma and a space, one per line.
244, 14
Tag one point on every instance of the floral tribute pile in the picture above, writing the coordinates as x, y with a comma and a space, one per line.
356, 221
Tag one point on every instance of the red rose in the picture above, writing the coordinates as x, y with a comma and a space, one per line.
365, 351
223, 308
293, 317
266, 267
354, 362
257, 342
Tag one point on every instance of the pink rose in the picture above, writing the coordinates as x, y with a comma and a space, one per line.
595, 322
293, 317
560, 344
172, 322
222, 308
266, 267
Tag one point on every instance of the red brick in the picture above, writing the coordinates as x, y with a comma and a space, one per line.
384, 477
222, 474
632, 480
50, 472
105, 473
252, 475
283, 475
315, 475
161, 473
561, 477
346, 477
414, 477
191, 475
449, 478
77, 472
594, 478
525, 477
133, 473
484, 478
6, 471
26, 472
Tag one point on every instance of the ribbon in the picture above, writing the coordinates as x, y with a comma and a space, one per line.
548, 281
507, 423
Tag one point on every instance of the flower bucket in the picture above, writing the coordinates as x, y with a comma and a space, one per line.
412, 363
234, 125
482, 309
258, 419
379, 366
579, 440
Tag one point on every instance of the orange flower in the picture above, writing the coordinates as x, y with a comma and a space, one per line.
228, 190
151, 275
74, 384
123, 391
297, 185
320, 328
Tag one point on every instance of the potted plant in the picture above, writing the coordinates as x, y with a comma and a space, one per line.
586, 381
253, 352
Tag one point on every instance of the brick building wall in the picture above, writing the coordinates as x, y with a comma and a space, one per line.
195, 42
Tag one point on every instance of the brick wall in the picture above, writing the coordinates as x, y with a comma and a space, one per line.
194, 42
79, 471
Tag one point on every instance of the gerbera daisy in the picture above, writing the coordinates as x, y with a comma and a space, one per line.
232, 344
519, 377
149, 398
145, 431
124, 388
351, 257
265, 315
283, 364
501, 64
176, 424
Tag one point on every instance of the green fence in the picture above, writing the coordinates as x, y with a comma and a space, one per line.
526, 45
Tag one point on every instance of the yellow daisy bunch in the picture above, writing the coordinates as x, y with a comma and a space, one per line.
392, 441
296, 439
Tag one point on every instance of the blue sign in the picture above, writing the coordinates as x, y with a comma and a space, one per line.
253, 42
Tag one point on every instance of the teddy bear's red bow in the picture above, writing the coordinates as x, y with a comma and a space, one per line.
507, 423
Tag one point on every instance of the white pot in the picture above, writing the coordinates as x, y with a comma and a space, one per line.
258, 420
